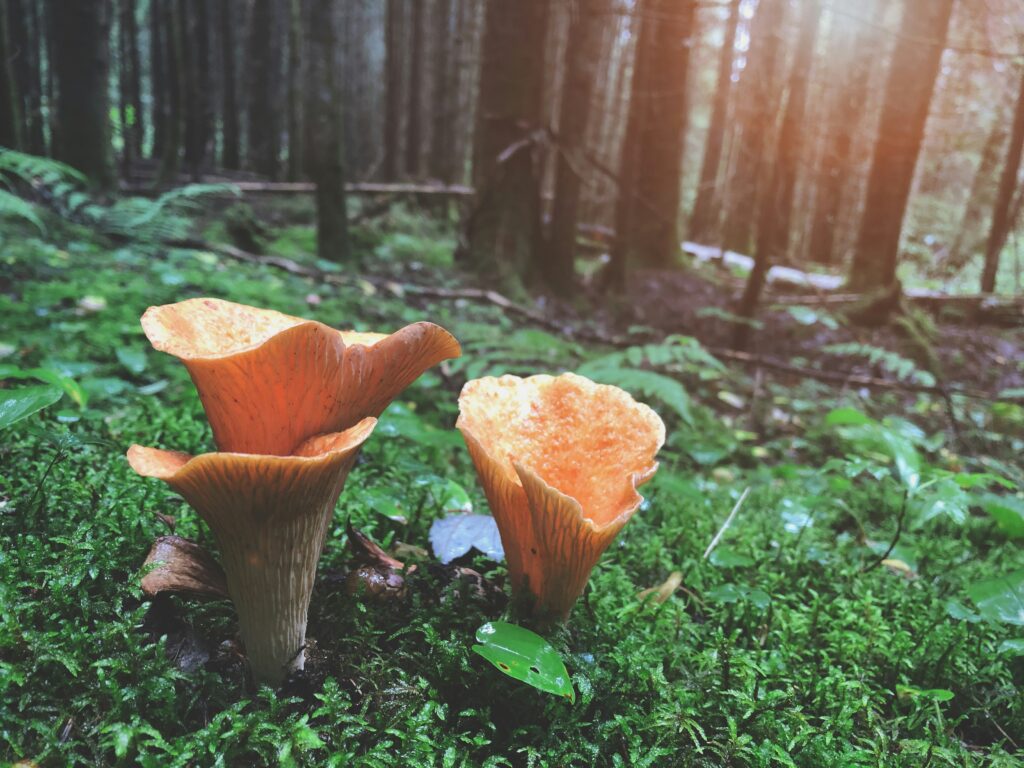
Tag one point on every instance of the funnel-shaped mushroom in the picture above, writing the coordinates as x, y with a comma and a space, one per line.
560, 459
268, 380
269, 515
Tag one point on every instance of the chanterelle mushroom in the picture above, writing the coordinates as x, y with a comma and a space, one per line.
268, 380
290, 402
560, 459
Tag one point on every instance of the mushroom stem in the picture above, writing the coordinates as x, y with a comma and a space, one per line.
271, 571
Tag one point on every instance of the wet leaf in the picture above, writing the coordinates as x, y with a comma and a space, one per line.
1000, 599
525, 656
17, 404
131, 358
455, 535
912, 692
1007, 511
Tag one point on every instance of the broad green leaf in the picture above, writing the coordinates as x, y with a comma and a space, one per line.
52, 376
847, 416
16, 404
1007, 511
455, 535
1014, 646
913, 692
724, 557
1000, 599
525, 656
131, 358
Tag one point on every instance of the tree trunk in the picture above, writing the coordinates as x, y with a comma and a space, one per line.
393, 85
331, 218
755, 118
158, 75
908, 96
10, 100
980, 196
776, 204
295, 149
174, 59
195, 90
130, 84
441, 165
230, 155
1002, 220
837, 161
502, 229
262, 65
651, 168
33, 94
80, 62
704, 219
582, 59
413, 136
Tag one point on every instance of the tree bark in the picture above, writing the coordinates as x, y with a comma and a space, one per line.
130, 83
502, 229
414, 105
704, 219
393, 89
174, 59
441, 165
158, 75
836, 163
980, 197
80, 62
230, 155
651, 168
195, 92
10, 99
263, 72
776, 204
756, 118
908, 97
295, 133
1002, 219
582, 59
332, 241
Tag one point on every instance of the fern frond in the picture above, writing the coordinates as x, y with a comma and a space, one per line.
36, 170
643, 385
901, 367
12, 206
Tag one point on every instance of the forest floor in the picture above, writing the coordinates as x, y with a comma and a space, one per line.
864, 607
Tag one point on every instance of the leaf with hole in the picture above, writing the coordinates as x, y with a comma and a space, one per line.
525, 656
17, 404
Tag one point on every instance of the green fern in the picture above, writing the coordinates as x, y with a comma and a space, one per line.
13, 207
645, 384
901, 367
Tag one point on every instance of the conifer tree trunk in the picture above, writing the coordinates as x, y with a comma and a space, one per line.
836, 164
80, 62
501, 230
651, 167
322, 89
776, 204
33, 89
908, 97
755, 117
295, 134
414, 137
195, 67
132, 124
582, 59
174, 59
158, 73
262, 71
441, 140
704, 219
1002, 218
393, 89
10, 100
230, 154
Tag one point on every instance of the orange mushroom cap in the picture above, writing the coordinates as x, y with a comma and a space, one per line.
268, 380
269, 515
560, 459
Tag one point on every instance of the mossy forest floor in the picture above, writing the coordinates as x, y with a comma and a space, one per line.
793, 644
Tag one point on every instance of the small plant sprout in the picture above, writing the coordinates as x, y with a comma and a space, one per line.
560, 459
290, 402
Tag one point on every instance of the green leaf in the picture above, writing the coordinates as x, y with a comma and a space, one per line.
1016, 393
935, 694
525, 656
17, 404
132, 358
1000, 599
52, 376
847, 416
1014, 646
724, 557
643, 383
13, 206
1007, 511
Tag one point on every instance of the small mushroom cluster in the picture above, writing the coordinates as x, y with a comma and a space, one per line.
290, 403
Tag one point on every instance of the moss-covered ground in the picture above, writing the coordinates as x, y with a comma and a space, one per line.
791, 645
